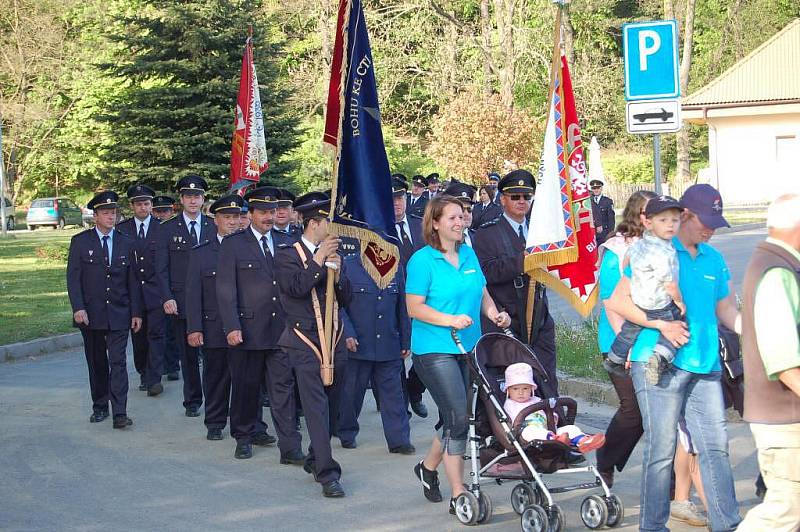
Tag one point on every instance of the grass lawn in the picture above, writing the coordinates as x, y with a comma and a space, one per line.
577, 351
34, 299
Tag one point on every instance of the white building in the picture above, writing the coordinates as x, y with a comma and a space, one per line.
753, 115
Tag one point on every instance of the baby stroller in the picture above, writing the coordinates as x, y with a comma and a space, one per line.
495, 444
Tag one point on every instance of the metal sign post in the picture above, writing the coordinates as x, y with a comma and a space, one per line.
657, 161
3, 219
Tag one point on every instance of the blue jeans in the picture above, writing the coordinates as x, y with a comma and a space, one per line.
697, 397
447, 379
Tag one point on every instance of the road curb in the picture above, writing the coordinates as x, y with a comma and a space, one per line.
40, 347
742, 227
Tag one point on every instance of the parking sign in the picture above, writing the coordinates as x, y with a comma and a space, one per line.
651, 60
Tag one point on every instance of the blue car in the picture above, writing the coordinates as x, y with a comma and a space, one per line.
54, 212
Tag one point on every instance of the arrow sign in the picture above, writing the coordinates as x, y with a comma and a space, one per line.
653, 116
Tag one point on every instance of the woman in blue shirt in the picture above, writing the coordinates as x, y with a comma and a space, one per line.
446, 290
625, 428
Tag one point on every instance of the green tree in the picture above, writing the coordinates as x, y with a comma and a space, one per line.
179, 65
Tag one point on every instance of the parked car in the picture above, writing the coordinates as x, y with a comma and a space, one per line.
55, 212
88, 216
11, 215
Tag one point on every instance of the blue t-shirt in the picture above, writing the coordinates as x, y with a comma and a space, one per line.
448, 290
703, 282
609, 277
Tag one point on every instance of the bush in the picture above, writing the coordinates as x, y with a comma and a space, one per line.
628, 167
53, 252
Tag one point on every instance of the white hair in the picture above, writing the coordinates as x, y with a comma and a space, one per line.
784, 212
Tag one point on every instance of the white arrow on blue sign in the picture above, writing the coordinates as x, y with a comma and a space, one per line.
651, 60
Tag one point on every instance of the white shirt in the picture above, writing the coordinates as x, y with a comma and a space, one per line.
110, 236
404, 221
516, 225
219, 238
269, 239
188, 221
307, 243
467, 239
139, 223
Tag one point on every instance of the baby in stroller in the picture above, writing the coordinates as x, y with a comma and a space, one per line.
520, 388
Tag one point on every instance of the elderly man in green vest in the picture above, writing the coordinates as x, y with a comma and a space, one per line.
770, 329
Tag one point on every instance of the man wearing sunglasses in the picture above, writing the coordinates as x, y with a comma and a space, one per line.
602, 211
500, 247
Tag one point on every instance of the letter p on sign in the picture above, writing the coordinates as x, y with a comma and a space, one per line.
651, 60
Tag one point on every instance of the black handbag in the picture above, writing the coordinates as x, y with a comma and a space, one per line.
731, 354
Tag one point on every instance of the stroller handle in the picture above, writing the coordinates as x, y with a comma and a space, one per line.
457, 340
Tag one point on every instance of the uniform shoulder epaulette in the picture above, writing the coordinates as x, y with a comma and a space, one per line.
414, 215
489, 223
201, 244
285, 245
169, 219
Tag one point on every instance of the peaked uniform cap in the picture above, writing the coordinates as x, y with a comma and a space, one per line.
191, 184
140, 192
262, 198
230, 204
103, 200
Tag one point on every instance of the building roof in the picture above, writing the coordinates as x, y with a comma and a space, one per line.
767, 74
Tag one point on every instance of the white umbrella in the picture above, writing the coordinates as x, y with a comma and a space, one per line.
595, 165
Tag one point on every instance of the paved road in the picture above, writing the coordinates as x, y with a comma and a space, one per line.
59, 472
736, 247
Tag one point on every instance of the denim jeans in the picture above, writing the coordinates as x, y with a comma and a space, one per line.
447, 379
630, 332
698, 397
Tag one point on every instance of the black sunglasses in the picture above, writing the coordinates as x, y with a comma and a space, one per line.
517, 197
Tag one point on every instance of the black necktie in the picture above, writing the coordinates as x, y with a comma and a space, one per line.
105, 251
141, 230
265, 246
193, 232
521, 234
406, 247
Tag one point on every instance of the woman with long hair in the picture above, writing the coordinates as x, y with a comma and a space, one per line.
445, 290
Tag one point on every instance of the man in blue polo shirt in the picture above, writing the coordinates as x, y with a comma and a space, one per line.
691, 387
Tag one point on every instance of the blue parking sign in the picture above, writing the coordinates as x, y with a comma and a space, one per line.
651, 60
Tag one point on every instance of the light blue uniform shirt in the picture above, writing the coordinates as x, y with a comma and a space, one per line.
703, 282
448, 290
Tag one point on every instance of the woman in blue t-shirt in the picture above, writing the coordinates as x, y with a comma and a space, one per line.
445, 290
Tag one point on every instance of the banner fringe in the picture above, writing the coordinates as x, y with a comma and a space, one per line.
555, 257
584, 308
365, 237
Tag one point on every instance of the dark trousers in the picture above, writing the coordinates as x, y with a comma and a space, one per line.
630, 332
625, 429
321, 407
108, 375
247, 373
386, 383
148, 347
190, 364
216, 387
413, 387
281, 391
545, 350
172, 362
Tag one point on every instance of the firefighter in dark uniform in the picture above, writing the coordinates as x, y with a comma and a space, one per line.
409, 231
302, 278
466, 195
378, 337
150, 262
105, 296
163, 210
493, 181
252, 317
417, 199
433, 185
283, 216
602, 212
203, 316
180, 234
500, 247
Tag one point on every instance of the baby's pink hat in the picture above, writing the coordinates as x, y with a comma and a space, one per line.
519, 373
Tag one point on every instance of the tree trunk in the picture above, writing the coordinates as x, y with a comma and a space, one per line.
569, 34
683, 171
486, 41
504, 15
669, 9
327, 13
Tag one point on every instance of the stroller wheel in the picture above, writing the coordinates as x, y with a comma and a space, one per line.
616, 511
485, 503
522, 496
534, 519
556, 518
467, 508
594, 512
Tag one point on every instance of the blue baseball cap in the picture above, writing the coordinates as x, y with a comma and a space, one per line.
706, 202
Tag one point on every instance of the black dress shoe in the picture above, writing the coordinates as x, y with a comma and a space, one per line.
308, 467
192, 411
155, 389
214, 434
265, 401
403, 449
122, 421
295, 457
142, 387
420, 409
97, 417
243, 451
173, 376
263, 439
332, 489
349, 444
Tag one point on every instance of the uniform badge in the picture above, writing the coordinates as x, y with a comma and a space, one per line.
91, 252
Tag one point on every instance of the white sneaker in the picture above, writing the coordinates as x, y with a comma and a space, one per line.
687, 512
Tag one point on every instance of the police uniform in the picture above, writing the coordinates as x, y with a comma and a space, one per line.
203, 315
101, 281
247, 290
483, 214
501, 250
602, 213
378, 320
178, 240
150, 263
416, 206
299, 276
